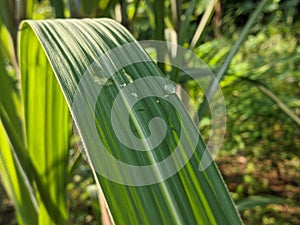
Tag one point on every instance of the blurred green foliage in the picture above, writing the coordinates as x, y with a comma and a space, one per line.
261, 149
254, 121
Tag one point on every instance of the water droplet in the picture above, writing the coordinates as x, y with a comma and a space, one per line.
100, 80
123, 85
170, 88
134, 94
157, 101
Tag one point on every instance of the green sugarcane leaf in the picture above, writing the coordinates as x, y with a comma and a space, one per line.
14, 175
16, 183
255, 200
189, 196
47, 124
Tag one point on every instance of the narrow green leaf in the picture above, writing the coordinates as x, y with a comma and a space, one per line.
159, 15
71, 46
47, 125
184, 24
203, 22
252, 201
29, 8
176, 12
11, 110
7, 45
7, 17
150, 13
10, 103
15, 182
159, 31
267, 92
58, 6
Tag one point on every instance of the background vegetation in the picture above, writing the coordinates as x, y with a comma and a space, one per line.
261, 150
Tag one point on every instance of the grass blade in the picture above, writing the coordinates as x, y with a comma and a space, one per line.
252, 201
268, 93
58, 6
16, 183
203, 22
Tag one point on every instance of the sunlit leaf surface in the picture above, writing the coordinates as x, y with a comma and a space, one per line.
72, 46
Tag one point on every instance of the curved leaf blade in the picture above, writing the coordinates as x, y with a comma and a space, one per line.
190, 196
